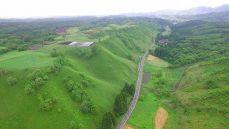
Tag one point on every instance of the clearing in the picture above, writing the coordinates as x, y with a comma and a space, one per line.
160, 118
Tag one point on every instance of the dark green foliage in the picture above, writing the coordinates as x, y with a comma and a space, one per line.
54, 53
195, 41
22, 47
108, 121
120, 104
12, 81
161, 52
210, 84
128, 90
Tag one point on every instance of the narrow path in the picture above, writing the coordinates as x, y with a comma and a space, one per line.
161, 117
136, 94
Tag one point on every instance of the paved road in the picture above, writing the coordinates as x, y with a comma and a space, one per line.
137, 92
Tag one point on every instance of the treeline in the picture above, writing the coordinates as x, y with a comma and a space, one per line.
119, 108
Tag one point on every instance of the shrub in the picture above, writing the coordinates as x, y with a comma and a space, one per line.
29, 89
54, 53
87, 106
47, 102
11, 81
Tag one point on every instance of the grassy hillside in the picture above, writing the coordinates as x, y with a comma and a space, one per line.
155, 93
193, 89
202, 94
52, 87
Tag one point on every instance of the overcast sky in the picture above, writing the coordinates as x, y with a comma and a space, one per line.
46, 8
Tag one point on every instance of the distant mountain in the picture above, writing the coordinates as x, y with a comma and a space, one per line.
192, 11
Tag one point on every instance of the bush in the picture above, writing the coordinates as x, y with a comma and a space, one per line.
47, 102
54, 53
29, 89
56, 68
87, 106
11, 81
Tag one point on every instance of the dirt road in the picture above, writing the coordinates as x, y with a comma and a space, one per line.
136, 95
160, 118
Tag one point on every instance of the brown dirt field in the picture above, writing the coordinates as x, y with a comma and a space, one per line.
126, 126
161, 117
150, 57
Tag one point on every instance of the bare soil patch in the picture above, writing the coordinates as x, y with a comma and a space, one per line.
151, 57
161, 117
126, 126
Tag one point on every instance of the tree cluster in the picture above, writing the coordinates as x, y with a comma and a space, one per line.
37, 79
78, 94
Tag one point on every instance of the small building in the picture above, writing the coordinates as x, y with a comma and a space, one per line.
81, 44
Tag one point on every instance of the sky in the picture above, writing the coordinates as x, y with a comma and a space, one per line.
50, 8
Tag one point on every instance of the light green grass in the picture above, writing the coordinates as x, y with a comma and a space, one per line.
25, 59
144, 113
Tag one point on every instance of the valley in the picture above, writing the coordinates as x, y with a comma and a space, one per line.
123, 72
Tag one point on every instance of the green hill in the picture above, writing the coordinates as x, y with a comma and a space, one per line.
193, 89
59, 86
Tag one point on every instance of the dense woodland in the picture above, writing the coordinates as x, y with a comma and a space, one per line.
195, 41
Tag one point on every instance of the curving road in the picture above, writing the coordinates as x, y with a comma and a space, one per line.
136, 94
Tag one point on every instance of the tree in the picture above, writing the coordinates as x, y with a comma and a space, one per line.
120, 105
11, 81
128, 89
108, 121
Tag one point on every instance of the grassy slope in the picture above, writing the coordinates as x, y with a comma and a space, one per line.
143, 115
201, 101
203, 94
108, 70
